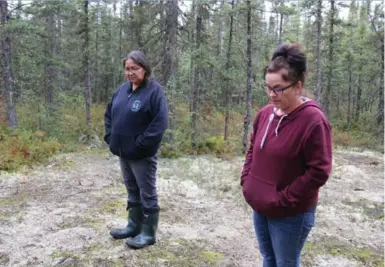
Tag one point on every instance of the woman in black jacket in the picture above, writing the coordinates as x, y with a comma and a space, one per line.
135, 121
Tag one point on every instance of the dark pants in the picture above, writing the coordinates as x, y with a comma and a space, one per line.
140, 180
281, 240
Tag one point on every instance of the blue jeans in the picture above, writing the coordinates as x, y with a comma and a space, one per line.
281, 240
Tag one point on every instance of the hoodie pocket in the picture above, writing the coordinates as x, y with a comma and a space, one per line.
128, 145
260, 194
114, 144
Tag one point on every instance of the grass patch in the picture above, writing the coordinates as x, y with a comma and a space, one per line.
211, 256
365, 256
373, 210
85, 221
63, 254
109, 263
62, 163
12, 206
179, 253
13, 201
65, 258
113, 206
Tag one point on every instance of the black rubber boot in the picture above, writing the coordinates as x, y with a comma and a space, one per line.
133, 228
147, 236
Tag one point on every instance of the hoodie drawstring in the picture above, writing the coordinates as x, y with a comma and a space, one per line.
267, 129
271, 117
276, 128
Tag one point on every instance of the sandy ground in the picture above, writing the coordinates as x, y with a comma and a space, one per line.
60, 213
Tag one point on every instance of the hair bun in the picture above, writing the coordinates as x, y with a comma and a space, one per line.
281, 51
292, 54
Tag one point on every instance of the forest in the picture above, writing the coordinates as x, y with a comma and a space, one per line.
61, 60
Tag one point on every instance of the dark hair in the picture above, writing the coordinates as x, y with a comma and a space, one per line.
140, 59
289, 57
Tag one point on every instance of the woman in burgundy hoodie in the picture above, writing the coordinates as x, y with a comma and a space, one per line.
289, 159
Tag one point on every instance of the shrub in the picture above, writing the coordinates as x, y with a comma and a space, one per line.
19, 147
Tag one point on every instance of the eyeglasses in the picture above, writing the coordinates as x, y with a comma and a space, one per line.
277, 91
133, 69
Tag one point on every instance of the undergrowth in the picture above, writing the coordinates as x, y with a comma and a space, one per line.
22, 147
43, 131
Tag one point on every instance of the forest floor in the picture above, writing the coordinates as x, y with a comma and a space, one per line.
60, 213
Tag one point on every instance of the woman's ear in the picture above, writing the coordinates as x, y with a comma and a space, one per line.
298, 88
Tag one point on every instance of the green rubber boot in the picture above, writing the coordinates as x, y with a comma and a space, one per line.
134, 226
147, 236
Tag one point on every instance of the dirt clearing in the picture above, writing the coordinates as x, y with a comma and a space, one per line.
60, 213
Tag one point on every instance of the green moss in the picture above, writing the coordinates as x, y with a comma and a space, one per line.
71, 222
373, 210
95, 247
114, 191
211, 256
179, 253
63, 254
96, 152
13, 200
109, 263
365, 256
85, 221
116, 207
63, 163
95, 224
158, 253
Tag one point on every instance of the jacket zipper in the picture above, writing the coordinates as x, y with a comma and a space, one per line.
120, 149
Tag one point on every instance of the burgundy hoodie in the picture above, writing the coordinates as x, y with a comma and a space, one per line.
289, 159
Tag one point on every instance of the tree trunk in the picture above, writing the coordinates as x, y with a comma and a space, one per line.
191, 38
50, 56
120, 33
318, 52
7, 66
140, 5
380, 108
108, 75
60, 73
169, 63
280, 33
96, 80
18, 10
359, 93
86, 66
197, 85
220, 32
326, 98
132, 23
349, 117
228, 85
247, 120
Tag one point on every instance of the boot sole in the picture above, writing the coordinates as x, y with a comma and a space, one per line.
124, 236
139, 247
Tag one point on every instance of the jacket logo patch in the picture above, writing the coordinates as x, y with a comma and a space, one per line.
136, 105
